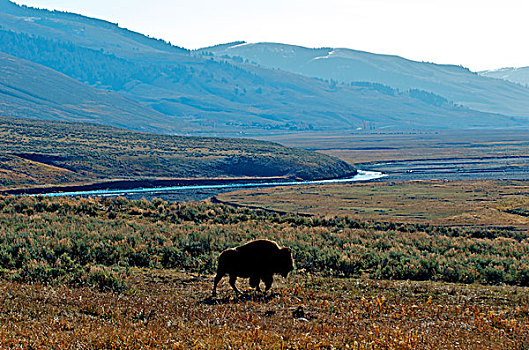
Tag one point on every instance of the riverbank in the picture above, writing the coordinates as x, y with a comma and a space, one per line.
136, 188
451, 155
122, 184
41, 153
454, 168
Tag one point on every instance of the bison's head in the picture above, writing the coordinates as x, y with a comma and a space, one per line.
286, 262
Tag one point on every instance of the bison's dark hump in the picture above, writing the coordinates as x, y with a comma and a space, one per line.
259, 245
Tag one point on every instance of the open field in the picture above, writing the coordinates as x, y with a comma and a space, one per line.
379, 146
484, 203
170, 309
390, 264
114, 273
446, 154
487, 173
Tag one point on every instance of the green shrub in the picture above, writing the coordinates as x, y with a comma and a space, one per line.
105, 280
66, 236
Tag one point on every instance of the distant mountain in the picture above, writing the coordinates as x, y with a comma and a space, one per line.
515, 75
455, 83
34, 91
198, 93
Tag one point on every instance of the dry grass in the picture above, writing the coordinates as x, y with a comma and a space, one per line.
16, 170
168, 309
171, 309
459, 203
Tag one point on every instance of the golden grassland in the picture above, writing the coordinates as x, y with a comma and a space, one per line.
171, 309
114, 273
394, 265
457, 203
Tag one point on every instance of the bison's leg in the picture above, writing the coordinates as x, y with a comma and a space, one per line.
268, 280
254, 282
233, 278
218, 277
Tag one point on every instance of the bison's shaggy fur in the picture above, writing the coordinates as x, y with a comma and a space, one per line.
257, 260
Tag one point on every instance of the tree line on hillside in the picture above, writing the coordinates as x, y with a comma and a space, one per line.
96, 68
106, 70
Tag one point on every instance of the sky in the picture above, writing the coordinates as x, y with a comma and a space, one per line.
478, 34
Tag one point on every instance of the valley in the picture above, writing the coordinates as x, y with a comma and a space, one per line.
457, 178
401, 188
436, 155
170, 90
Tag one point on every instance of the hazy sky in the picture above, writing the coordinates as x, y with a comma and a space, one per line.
479, 34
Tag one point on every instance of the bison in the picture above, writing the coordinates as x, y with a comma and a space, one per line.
257, 260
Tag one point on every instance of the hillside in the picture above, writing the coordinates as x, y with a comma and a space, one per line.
87, 32
201, 94
33, 91
515, 75
455, 83
41, 152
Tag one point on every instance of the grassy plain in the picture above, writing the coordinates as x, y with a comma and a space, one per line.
375, 147
113, 273
474, 160
170, 309
485, 203
389, 265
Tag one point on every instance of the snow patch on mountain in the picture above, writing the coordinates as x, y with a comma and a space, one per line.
331, 53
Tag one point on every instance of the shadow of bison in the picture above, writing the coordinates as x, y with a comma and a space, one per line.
257, 260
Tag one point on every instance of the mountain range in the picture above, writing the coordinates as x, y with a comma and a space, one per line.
516, 75
456, 83
96, 71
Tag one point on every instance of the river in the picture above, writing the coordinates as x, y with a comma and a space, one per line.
198, 192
